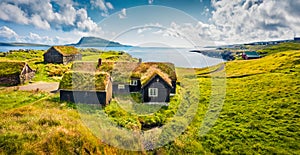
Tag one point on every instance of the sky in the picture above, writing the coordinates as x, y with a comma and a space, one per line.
173, 23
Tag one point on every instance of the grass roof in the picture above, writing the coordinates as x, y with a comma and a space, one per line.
121, 72
84, 81
151, 72
91, 66
10, 67
166, 68
66, 50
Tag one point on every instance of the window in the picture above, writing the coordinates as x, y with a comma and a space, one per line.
153, 92
133, 82
121, 86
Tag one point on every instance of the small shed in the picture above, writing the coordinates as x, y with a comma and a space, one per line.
62, 54
250, 55
86, 88
15, 73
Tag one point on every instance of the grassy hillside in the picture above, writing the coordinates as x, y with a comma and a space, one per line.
54, 72
283, 62
260, 115
40, 124
272, 49
261, 110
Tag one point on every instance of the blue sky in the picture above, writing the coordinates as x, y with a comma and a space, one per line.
176, 23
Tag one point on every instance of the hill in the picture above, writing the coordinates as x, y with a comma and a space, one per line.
96, 42
271, 49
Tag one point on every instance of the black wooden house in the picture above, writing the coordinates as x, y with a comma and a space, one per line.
155, 81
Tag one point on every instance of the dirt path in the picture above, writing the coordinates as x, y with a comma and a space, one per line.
41, 86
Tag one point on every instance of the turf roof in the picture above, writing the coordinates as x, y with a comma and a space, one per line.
121, 72
152, 71
167, 68
85, 81
66, 50
147, 70
9, 68
92, 66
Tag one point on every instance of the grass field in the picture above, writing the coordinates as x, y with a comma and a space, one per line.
260, 114
54, 72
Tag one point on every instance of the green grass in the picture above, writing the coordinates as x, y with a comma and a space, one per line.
280, 62
94, 55
272, 49
11, 98
84, 81
20, 55
260, 115
45, 127
66, 50
50, 72
44, 72
11, 68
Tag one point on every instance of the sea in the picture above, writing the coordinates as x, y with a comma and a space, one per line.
181, 57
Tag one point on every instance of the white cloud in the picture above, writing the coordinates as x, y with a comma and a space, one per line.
150, 27
11, 12
102, 5
206, 11
254, 20
150, 1
85, 23
240, 21
123, 14
6, 32
42, 15
43, 24
9, 35
109, 5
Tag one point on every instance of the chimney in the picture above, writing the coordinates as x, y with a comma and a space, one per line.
99, 62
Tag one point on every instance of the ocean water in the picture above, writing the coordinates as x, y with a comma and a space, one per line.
181, 57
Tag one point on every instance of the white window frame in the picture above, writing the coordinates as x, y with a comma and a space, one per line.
121, 86
153, 92
133, 82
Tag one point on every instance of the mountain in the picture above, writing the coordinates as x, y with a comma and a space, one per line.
96, 42
21, 44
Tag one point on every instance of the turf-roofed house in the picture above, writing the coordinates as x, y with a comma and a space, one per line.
97, 82
87, 83
15, 73
156, 81
62, 54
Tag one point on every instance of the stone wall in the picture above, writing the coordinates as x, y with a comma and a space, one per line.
10, 80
